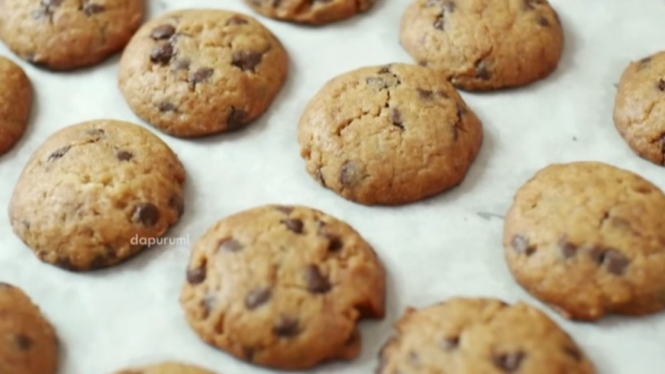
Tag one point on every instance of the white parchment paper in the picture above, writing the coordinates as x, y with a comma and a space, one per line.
445, 246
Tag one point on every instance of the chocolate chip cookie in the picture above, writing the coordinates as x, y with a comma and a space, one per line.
166, 368
68, 34
283, 287
28, 344
587, 238
484, 44
389, 135
480, 336
93, 193
15, 103
639, 111
199, 72
313, 12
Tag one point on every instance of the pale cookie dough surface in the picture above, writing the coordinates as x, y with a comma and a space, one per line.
15, 103
68, 34
166, 368
92, 189
28, 344
639, 110
199, 72
283, 287
480, 336
484, 44
389, 135
588, 239
314, 12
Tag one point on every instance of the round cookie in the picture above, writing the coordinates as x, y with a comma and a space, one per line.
310, 12
68, 34
484, 44
28, 344
166, 368
480, 336
283, 287
389, 135
639, 110
94, 193
587, 238
15, 104
199, 72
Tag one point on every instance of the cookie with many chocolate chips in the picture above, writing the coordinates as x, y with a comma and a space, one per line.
639, 110
587, 238
484, 44
480, 336
313, 12
283, 287
199, 72
15, 103
389, 135
94, 193
28, 344
68, 34
166, 368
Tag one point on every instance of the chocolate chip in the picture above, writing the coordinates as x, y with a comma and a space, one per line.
661, 84
316, 282
230, 245
509, 362
246, 60
207, 304
439, 23
567, 249
425, 94
350, 175
334, 243
22, 342
450, 343
166, 106
396, 118
181, 64
521, 245
59, 153
385, 69
615, 262
197, 275
200, 75
124, 155
284, 209
177, 203
257, 297
65, 263
542, 21
286, 327
573, 352
146, 214
162, 32
236, 21
294, 225
90, 9
162, 54
482, 72
236, 118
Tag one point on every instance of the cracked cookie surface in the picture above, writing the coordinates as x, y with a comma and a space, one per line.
313, 12
166, 368
484, 44
283, 287
28, 344
639, 110
587, 238
480, 336
68, 34
199, 72
90, 190
15, 103
389, 135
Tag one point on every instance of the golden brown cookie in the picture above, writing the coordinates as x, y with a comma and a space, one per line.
68, 34
93, 193
283, 287
199, 72
480, 336
166, 368
587, 238
28, 344
484, 44
15, 103
314, 12
389, 135
639, 110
